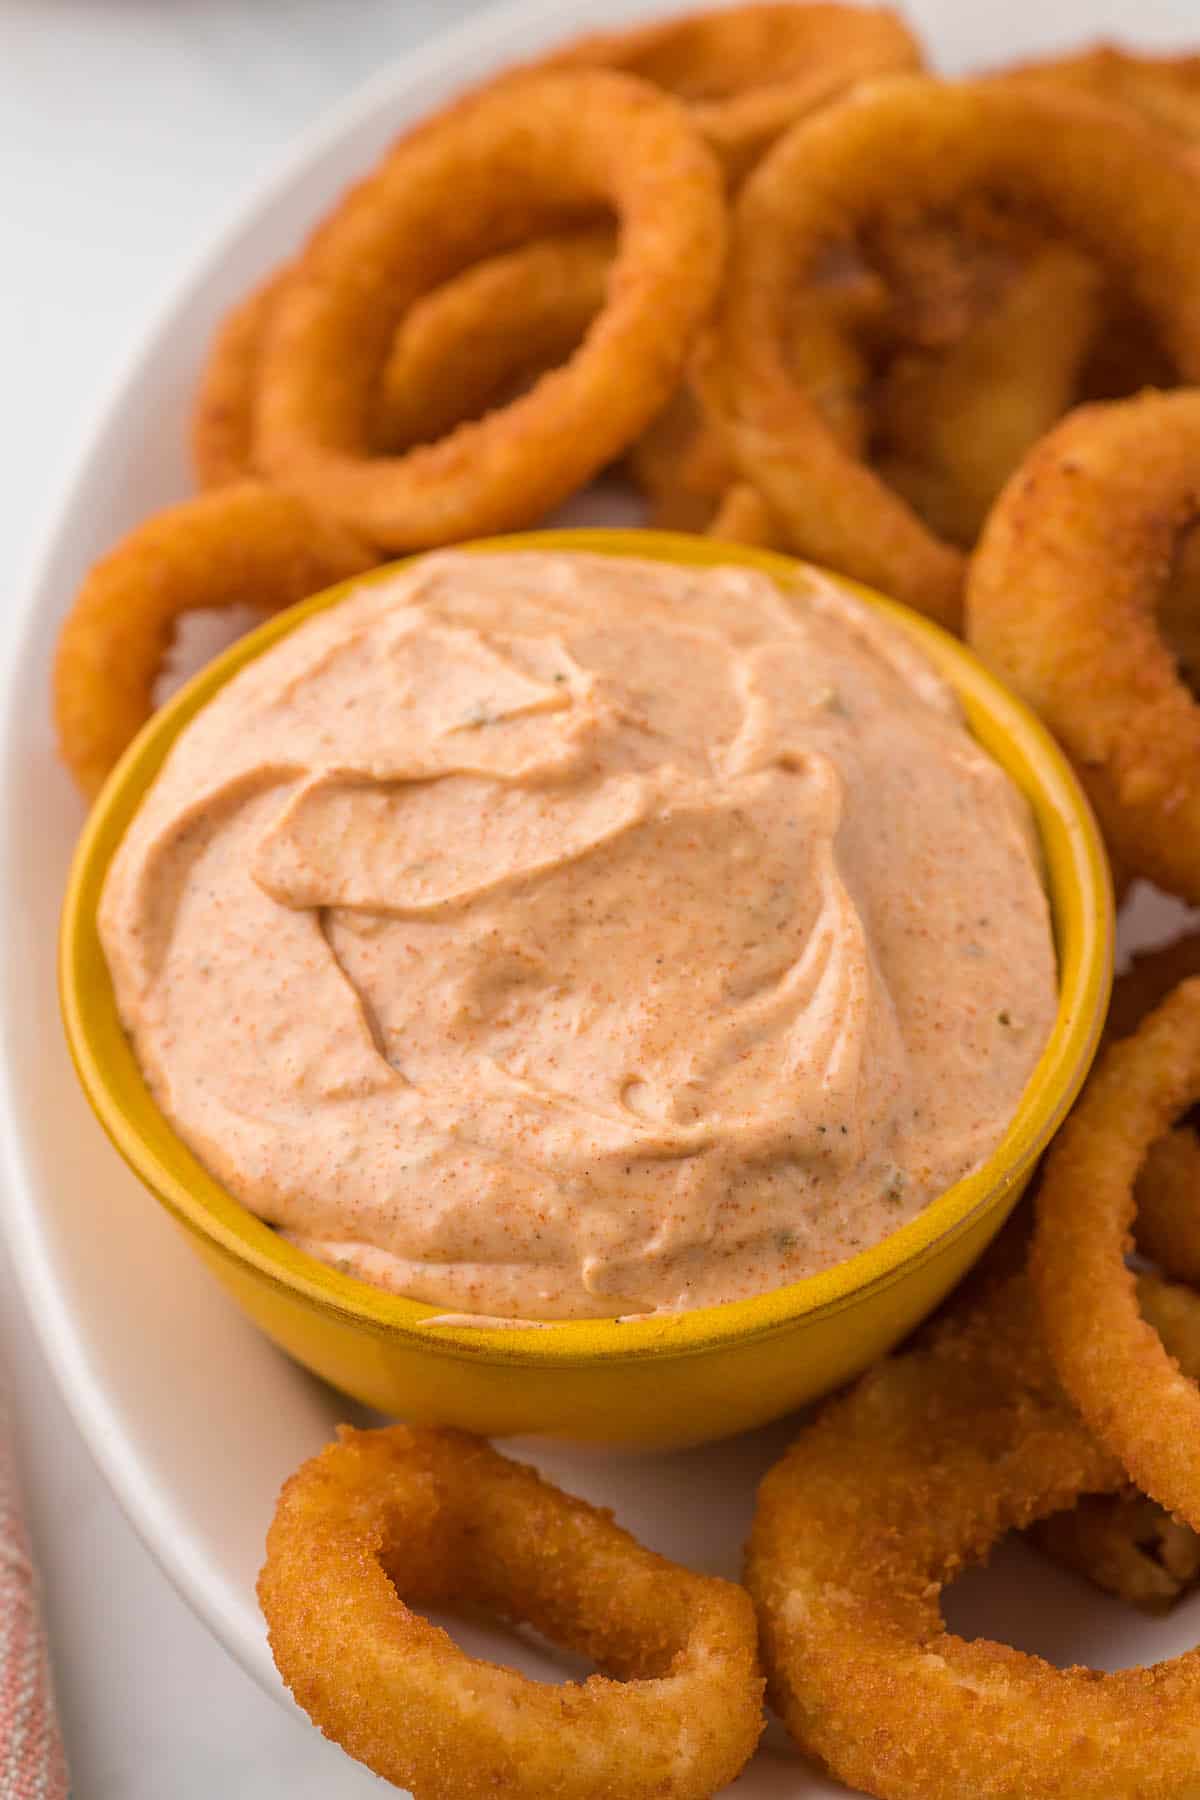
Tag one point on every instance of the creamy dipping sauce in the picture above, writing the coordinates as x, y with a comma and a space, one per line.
554, 936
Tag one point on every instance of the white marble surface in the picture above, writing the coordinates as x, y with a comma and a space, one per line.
127, 130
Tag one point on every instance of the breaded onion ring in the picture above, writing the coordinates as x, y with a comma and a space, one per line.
1122, 1542
748, 72
682, 462
239, 546
1063, 600
743, 517
898, 1485
497, 169
500, 323
681, 465
1110, 1359
1165, 90
223, 412
1167, 1196
955, 424
384, 1521
921, 147
1167, 1190
1126, 1545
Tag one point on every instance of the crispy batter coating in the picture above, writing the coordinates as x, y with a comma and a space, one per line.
505, 165
743, 517
237, 546
1164, 90
1063, 601
1125, 1543
684, 463
461, 349
386, 1521
681, 465
1167, 1192
468, 345
748, 72
955, 425
914, 148
1179, 610
222, 424
1110, 1359
878, 1505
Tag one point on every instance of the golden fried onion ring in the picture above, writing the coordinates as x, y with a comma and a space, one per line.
495, 170
743, 517
238, 546
898, 1485
1167, 1194
223, 412
385, 1521
956, 423
1165, 90
1110, 188
1110, 1359
748, 72
1125, 1543
1063, 602
1167, 1191
681, 465
501, 322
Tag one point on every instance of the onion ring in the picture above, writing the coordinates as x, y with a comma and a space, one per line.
956, 424
383, 1519
1165, 90
1111, 1360
498, 324
1167, 1190
916, 1472
514, 158
1121, 1542
748, 72
1109, 190
1167, 1193
1063, 601
680, 465
223, 412
743, 517
1126, 1545
682, 462
243, 545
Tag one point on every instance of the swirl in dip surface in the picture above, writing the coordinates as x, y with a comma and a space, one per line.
551, 936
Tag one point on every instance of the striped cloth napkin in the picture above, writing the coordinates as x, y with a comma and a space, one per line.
32, 1764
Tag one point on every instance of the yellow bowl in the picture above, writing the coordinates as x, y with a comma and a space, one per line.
662, 1381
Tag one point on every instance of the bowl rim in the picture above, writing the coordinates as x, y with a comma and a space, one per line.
1082, 909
